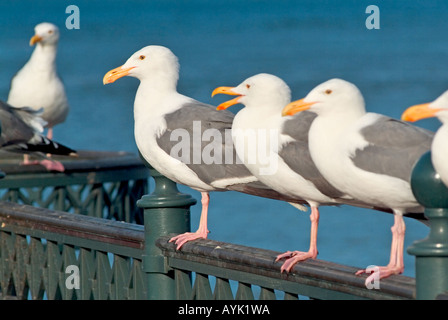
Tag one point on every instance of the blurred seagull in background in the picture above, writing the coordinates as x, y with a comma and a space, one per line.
37, 84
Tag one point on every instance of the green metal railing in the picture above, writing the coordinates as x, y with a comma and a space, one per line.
118, 260
227, 271
254, 275
39, 249
432, 252
98, 184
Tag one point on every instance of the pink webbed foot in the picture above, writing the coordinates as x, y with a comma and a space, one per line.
183, 238
50, 165
378, 273
293, 257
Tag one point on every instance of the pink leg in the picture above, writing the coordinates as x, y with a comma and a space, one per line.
292, 257
202, 231
396, 263
50, 136
26, 159
50, 133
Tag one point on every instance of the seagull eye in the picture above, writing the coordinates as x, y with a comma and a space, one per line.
248, 86
50, 31
142, 57
328, 91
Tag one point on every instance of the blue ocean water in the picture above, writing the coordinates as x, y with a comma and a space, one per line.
222, 43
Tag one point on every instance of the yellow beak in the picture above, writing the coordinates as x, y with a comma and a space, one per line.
35, 39
229, 91
418, 112
115, 74
295, 107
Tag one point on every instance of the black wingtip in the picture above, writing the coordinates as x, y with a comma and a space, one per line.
48, 146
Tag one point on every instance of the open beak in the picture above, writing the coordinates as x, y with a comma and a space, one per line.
295, 107
115, 74
35, 39
418, 112
229, 91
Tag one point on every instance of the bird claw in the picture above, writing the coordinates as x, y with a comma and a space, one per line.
183, 238
378, 273
286, 255
293, 257
50, 165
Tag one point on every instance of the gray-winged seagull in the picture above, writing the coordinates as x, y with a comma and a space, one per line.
280, 154
365, 155
37, 84
185, 140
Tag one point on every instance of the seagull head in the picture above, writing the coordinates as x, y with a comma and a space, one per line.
335, 96
260, 90
45, 33
150, 63
438, 108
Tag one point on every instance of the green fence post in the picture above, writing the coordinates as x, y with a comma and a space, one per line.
166, 210
431, 253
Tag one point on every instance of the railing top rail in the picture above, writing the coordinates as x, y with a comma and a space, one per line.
332, 276
86, 160
88, 167
56, 225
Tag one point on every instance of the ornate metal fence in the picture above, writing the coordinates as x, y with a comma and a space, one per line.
98, 184
227, 271
48, 254
57, 255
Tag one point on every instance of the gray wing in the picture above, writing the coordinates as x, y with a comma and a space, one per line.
211, 156
19, 132
190, 122
394, 147
297, 156
14, 129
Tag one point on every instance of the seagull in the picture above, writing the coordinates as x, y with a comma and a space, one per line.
439, 148
185, 140
21, 132
367, 156
37, 84
275, 150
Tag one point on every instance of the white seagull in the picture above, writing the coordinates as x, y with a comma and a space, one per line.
275, 149
37, 84
367, 156
439, 149
187, 141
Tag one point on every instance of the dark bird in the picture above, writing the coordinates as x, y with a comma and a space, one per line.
22, 132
